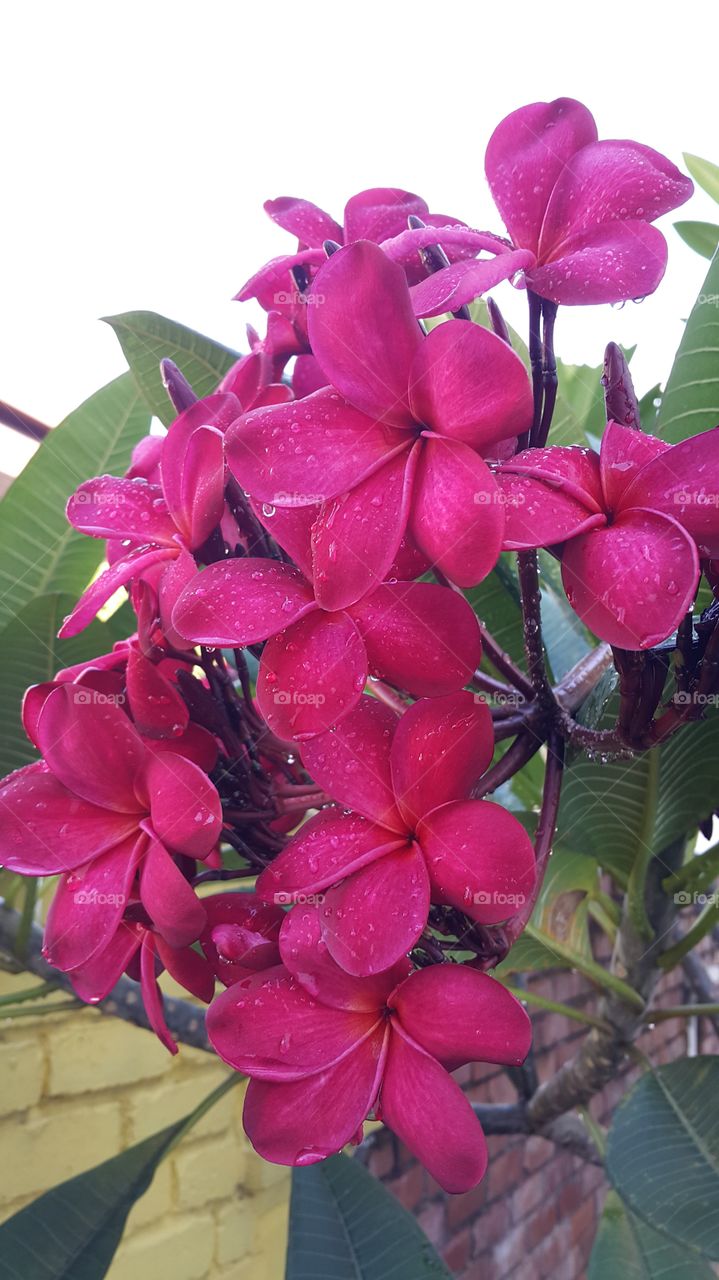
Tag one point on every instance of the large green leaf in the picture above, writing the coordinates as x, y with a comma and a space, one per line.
30, 653
663, 1152
626, 1247
344, 1225
496, 603
705, 173
147, 338
39, 551
702, 237
691, 400
72, 1231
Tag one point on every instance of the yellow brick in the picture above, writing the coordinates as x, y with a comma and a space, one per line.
156, 1202
270, 1234
21, 1071
178, 1247
49, 1145
260, 1174
207, 1171
96, 1052
155, 1106
235, 1230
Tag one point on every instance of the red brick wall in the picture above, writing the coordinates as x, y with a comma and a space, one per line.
535, 1213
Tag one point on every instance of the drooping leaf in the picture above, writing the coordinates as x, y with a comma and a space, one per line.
691, 399
30, 653
625, 1246
663, 1152
39, 550
147, 338
344, 1225
705, 173
702, 237
72, 1231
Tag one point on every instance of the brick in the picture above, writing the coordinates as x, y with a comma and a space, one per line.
22, 1071
156, 1203
539, 1227
208, 1171
431, 1221
537, 1151
177, 1247
409, 1187
261, 1175
381, 1160
528, 1195
47, 1147
153, 1107
235, 1223
461, 1208
270, 1232
492, 1224
95, 1052
456, 1253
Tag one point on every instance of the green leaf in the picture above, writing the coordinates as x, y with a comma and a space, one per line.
39, 550
705, 173
702, 237
72, 1231
566, 639
344, 1225
691, 400
663, 1152
31, 653
147, 338
496, 603
625, 1246
529, 956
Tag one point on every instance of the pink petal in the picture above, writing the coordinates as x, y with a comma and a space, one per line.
624, 452
455, 286
195, 744
405, 245
466, 383
538, 514
632, 582
611, 263
440, 748
291, 529
273, 285
525, 157
356, 536
158, 710
429, 1113
131, 566
311, 675
151, 994
187, 968
328, 847
363, 332
606, 181
352, 762
172, 904
480, 859
95, 979
89, 904
301, 453
238, 602
307, 376
682, 483
568, 469
481, 1021
457, 519
112, 507
420, 637
303, 1122
46, 829
199, 477
305, 955
185, 808
73, 718
240, 935
380, 212
174, 577
269, 1026
246, 378
311, 225
372, 919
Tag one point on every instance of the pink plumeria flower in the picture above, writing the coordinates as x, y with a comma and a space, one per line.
104, 808
412, 836
395, 443
324, 1050
156, 526
629, 525
241, 935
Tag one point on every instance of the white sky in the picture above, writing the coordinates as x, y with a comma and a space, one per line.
140, 139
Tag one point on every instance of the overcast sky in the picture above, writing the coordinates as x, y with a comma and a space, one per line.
140, 140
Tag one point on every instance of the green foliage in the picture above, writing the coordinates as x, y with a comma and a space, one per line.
691, 399
626, 1247
702, 237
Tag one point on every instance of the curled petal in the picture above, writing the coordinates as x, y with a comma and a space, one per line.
440, 748
613, 262
301, 218
311, 675
632, 582
273, 285
480, 859
187, 968
538, 514
291, 528
306, 956
352, 763
94, 979
238, 602
158, 710
363, 331
198, 481
240, 935
304, 452
570, 470
112, 507
173, 906
481, 1021
328, 847
454, 286
624, 452
89, 904
151, 994
457, 517
421, 637
372, 919
123, 571
682, 483
380, 212
185, 808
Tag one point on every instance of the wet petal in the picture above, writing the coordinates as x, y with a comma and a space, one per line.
624, 452
372, 919
238, 602
455, 286
480, 859
307, 221
611, 263
457, 518
440, 749
72, 718
352, 762
112, 507
172, 904
89, 904
328, 847
185, 808
311, 675
481, 1021
682, 483
306, 956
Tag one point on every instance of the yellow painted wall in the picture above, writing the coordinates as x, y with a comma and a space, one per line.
78, 1087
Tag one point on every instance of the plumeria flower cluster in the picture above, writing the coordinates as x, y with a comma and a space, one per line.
294, 705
